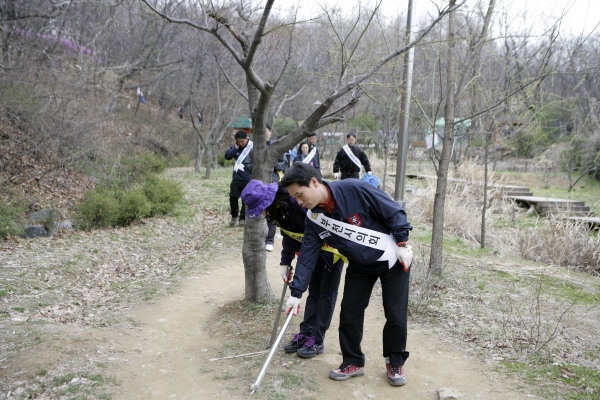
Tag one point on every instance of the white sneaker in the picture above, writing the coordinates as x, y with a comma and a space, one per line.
269, 247
278, 236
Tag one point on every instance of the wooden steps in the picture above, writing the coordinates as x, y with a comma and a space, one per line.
553, 206
565, 208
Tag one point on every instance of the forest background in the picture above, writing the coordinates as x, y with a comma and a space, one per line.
97, 98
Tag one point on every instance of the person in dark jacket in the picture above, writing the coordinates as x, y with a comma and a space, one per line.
303, 149
349, 159
364, 224
241, 151
279, 207
312, 147
278, 172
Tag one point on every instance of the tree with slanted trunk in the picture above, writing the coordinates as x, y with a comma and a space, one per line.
242, 34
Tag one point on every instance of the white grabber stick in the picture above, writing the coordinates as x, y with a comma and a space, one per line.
279, 310
263, 370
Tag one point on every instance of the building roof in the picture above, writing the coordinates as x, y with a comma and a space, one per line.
242, 122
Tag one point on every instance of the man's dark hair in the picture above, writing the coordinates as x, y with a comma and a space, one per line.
312, 134
350, 134
241, 135
268, 125
301, 174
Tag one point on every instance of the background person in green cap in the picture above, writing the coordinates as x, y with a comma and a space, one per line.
241, 151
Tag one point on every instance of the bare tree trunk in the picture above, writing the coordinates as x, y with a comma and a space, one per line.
258, 289
215, 156
437, 240
209, 148
114, 96
485, 187
385, 146
7, 13
199, 156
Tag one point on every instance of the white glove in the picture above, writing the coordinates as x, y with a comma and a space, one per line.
292, 304
370, 173
405, 256
336, 176
286, 273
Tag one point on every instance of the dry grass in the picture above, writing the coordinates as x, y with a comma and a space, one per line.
463, 208
553, 241
560, 242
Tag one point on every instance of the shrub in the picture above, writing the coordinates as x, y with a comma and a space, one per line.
162, 193
133, 206
11, 216
141, 164
223, 162
181, 160
100, 208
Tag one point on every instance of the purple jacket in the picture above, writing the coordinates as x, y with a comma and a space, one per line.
292, 218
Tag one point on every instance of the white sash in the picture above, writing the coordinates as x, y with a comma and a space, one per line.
362, 236
353, 157
238, 166
310, 156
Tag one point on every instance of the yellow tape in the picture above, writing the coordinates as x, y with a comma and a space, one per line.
325, 247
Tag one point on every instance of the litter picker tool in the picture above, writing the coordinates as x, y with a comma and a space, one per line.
263, 370
276, 325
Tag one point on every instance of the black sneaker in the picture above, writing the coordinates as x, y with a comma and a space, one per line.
296, 343
310, 348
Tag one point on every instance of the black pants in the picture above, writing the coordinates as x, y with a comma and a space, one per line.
235, 192
350, 175
272, 231
320, 303
357, 291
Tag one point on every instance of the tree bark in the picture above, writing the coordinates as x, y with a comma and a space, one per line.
208, 161
436, 263
257, 287
485, 187
114, 96
199, 156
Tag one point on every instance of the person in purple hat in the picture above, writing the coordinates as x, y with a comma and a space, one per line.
275, 203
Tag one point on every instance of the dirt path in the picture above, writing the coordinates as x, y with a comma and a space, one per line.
168, 350
156, 340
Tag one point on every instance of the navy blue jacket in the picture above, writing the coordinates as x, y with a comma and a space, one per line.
315, 160
246, 174
356, 202
345, 164
292, 218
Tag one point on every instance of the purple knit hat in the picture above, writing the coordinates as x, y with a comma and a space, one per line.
258, 196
